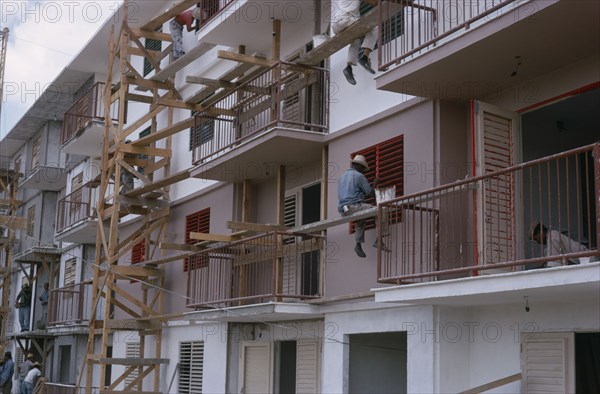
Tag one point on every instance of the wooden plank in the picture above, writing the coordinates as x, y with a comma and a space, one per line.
148, 84
8, 203
235, 72
133, 361
154, 35
212, 237
140, 98
144, 202
146, 150
492, 385
13, 222
341, 40
276, 50
133, 324
181, 247
254, 60
325, 224
219, 84
130, 270
256, 227
134, 50
166, 132
177, 177
193, 54
169, 14
179, 104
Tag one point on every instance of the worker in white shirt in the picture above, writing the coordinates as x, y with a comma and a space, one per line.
344, 14
31, 378
557, 244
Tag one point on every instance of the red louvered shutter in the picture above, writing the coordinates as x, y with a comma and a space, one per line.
386, 162
198, 222
138, 255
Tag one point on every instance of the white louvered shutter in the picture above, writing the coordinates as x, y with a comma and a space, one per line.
256, 369
307, 367
548, 363
289, 264
132, 350
191, 367
497, 138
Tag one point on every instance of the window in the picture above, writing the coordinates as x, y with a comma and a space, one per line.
202, 132
35, 154
191, 365
30, 221
392, 28
70, 268
198, 222
386, 162
132, 350
151, 45
143, 134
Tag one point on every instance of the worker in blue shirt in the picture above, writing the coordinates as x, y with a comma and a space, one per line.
353, 189
7, 374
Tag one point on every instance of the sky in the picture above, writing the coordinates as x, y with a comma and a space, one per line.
44, 37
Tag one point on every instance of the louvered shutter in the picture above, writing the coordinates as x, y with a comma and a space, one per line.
307, 367
191, 367
289, 264
198, 222
256, 369
497, 208
548, 363
386, 162
35, 153
132, 350
154, 45
30, 221
138, 252
70, 270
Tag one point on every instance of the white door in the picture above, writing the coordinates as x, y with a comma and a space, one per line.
307, 367
548, 363
497, 139
255, 368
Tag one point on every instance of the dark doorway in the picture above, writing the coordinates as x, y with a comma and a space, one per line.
587, 362
287, 367
311, 212
377, 363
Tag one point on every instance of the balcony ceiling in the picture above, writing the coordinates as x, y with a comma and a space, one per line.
255, 159
45, 178
249, 23
274, 311
87, 142
575, 282
554, 37
83, 233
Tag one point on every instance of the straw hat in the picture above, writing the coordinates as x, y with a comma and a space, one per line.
360, 159
29, 355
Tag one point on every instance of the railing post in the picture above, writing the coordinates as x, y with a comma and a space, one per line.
80, 301
596, 155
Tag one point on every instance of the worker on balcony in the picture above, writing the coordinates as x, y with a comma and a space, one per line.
353, 189
187, 19
23, 304
556, 244
344, 14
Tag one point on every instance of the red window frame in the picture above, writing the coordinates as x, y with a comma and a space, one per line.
386, 162
197, 222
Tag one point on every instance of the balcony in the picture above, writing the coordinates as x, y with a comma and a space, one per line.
76, 217
278, 267
35, 251
49, 178
481, 225
70, 305
279, 117
83, 125
452, 49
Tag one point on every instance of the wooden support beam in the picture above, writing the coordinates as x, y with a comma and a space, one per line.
13, 222
153, 35
219, 84
236, 72
144, 202
191, 55
134, 50
146, 150
140, 98
166, 132
325, 224
134, 270
181, 247
133, 361
177, 177
213, 237
8, 203
276, 39
148, 84
169, 14
256, 227
237, 57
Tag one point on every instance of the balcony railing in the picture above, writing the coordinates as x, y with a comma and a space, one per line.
79, 206
61, 388
284, 95
417, 26
89, 108
270, 267
211, 9
482, 225
70, 304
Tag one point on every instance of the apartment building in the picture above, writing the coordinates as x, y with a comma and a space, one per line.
186, 218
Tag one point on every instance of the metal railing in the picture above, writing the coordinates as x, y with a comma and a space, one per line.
211, 9
70, 304
284, 95
89, 108
484, 223
61, 388
79, 206
275, 266
413, 27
